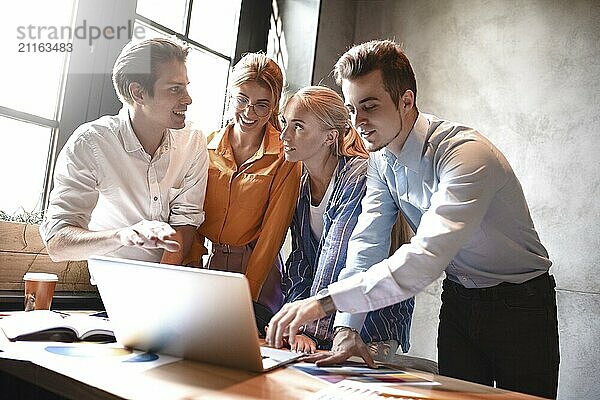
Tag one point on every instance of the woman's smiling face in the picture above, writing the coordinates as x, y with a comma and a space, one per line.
250, 95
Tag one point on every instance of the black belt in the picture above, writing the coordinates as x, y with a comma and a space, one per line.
539, 284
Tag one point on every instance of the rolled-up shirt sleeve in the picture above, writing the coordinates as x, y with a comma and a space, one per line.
187, 207
74, 195
470, 173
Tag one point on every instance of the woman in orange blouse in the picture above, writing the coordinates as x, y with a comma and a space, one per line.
252, 191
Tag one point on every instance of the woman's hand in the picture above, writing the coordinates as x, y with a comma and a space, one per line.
304, 344
346, 343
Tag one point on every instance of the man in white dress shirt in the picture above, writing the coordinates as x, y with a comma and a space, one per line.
498, 322
132, 185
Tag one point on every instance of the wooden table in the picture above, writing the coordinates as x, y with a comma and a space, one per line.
192, 380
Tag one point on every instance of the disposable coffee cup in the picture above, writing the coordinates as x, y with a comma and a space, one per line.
39, 289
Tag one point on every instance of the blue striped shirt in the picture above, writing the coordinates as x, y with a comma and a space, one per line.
313, 265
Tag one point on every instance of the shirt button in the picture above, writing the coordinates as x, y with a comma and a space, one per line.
155, 198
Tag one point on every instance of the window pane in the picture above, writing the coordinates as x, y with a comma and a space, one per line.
23, 165
208, 83
31, 79
149, 32
171, 14
214, 24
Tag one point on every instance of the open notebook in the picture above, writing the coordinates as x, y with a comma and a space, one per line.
46, 325
193, 313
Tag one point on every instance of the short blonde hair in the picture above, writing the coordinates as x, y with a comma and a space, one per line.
139, 62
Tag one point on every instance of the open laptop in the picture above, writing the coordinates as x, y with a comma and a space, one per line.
197, 314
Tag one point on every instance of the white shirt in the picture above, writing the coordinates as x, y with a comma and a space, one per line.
471, 216
104, 180
316, 212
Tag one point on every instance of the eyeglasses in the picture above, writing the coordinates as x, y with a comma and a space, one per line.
241, 103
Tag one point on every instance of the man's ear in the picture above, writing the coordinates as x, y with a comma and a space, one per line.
137, 92
407, 100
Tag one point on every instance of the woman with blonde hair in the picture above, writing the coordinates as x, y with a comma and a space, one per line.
252, 190
318, 133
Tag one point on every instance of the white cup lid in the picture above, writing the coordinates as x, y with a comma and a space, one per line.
40, 276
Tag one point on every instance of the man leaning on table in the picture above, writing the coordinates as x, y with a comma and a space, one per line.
132, 185
498, 316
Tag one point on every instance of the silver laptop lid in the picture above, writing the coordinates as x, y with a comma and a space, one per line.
193, 313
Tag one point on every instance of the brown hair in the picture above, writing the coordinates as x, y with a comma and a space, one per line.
329, 108
139, 62
257, 67
383, 55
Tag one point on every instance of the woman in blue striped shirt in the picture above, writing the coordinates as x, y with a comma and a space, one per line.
319, 134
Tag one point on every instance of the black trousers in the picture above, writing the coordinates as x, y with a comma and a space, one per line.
506, 334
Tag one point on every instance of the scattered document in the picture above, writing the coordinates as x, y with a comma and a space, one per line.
84, 358
354, 390
360, 373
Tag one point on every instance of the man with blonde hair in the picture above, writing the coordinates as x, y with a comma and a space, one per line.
132, 185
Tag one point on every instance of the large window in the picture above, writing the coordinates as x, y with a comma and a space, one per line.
32, 80
33, 103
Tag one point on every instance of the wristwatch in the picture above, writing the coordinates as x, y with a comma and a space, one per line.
325, 301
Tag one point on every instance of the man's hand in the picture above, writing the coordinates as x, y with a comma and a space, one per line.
149, 235
184, 235
287, 322
346, 343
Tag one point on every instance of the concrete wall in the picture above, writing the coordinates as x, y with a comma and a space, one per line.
527, 75
335, 35
292, 39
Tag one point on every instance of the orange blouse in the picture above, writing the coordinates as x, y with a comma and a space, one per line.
253, 202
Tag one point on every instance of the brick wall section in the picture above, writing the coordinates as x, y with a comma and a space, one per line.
22, 250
